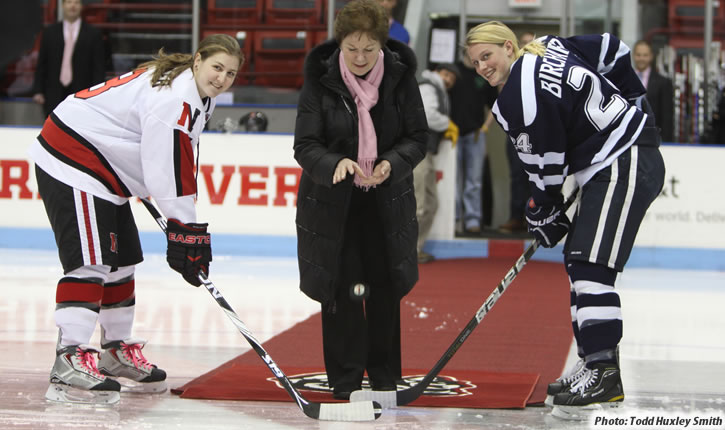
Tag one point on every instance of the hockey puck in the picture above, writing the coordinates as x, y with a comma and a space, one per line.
359, 291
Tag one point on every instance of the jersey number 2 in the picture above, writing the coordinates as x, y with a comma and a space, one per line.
111, 83
599, 115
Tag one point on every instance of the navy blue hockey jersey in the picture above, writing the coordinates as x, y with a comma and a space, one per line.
571, 111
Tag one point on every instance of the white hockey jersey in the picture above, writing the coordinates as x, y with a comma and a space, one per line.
125, 138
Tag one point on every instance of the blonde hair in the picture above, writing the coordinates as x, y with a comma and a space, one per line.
168, 66
497, 33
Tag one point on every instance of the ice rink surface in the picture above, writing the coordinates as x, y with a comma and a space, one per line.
672, 353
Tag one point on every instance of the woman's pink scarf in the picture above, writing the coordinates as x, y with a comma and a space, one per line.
365, 94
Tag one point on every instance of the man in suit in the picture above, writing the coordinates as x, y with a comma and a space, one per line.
71, 58
659, 89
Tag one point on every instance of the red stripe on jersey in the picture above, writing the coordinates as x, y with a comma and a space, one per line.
116, 293
184, 164
71, 148
78, 291
87, 223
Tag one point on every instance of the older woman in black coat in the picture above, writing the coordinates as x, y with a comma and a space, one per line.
360, 131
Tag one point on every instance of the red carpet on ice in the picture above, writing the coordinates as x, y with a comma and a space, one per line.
519, 347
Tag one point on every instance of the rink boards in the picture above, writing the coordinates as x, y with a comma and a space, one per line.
247, 191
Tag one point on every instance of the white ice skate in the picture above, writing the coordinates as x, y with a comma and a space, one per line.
123, 359
76, 379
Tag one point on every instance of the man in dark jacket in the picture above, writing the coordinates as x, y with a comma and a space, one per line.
351, 232
71, 58
659, 89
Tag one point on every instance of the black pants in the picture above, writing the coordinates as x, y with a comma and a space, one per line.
362, 335
88, 230
612, 207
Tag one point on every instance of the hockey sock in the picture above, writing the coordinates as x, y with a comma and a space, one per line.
78, 302
598, 310
118, 305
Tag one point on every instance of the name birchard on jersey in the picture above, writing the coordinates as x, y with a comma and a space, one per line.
550, 73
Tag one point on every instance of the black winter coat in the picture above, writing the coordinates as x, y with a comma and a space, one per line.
326, 132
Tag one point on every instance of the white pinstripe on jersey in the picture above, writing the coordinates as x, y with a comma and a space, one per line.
594, 253
87, 228
631, 183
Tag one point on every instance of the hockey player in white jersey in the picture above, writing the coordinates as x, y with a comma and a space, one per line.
133, 136
574, 106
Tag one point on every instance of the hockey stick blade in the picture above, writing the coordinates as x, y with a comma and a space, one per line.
391, 399
358, 411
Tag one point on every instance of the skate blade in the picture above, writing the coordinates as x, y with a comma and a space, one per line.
67, 394
549, 401
582, 413
133, 387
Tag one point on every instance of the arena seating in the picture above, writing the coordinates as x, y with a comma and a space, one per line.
279, 57
275, 35
234, 12
293, 13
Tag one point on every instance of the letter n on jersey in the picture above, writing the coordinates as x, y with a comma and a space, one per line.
187, 117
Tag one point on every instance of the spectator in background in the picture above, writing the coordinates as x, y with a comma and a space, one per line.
396, 29
71, 58
469, 98
659, 88
519, 180
360, 131
434, 86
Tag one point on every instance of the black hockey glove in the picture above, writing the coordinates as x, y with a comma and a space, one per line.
188, 249
548, 224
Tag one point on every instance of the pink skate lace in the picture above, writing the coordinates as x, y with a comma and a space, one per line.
88, 362
133, 352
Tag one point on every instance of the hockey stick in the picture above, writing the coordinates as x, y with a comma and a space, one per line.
363, 411
391, 399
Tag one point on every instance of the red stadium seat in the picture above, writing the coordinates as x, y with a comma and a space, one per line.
50, 11
234, 12
279, 57
319, 37
293, 13
95, 11
691, 13
339, 4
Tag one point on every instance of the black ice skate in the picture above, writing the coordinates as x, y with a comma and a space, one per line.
123, 359
599, 388
76, 379
565, 381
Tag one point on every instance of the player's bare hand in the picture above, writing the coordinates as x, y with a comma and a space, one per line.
346, 167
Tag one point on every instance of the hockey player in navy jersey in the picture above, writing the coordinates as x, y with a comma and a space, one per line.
574, 106
134, 135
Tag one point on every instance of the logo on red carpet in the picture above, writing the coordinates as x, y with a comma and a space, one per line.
442, 385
